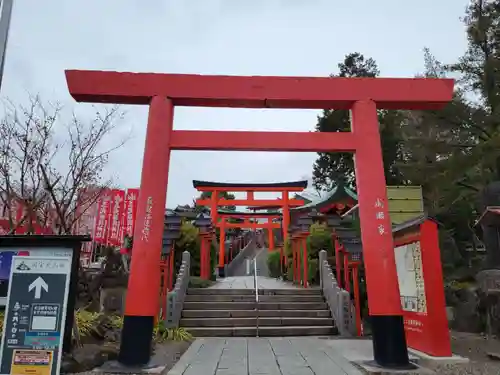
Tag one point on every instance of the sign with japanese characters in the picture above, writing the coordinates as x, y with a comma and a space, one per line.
35, 315
410, 277
103, 218
130, 211
117, 204
420, 280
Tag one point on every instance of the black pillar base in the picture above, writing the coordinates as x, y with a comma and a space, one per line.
221, 271
136, 340
389, 342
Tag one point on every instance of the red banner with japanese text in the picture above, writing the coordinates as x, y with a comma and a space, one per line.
129, 215
131, 211
102, 219
117, 209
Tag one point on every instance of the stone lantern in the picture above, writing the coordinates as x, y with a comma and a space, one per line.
304, 223
204, 223
171, 232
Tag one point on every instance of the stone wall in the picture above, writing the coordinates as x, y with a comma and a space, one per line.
338, 299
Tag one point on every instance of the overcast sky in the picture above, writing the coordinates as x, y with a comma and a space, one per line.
235, 37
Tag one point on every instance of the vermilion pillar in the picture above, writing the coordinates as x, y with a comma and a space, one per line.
389, 341
270, 234
144, 279
305, 263
213, 205
286, 215
222, 247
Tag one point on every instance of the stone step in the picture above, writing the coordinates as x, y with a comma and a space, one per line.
263, 331
251, 306
252, 322
269, 292
252, 313
251, 298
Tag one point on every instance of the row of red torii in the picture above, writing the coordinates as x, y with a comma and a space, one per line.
347, 264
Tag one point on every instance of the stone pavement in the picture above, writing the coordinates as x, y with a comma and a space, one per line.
262, 356
246, 282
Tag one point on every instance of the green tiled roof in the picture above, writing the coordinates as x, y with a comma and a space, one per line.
338, 193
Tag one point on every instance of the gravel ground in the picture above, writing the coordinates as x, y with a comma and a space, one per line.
475, 347
166, 354
169, 353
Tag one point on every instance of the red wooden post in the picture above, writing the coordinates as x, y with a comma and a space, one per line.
297, 259
285, 215
203, 255
222, 243
141, 304
270, 235
208, 257
376, 235
305, 260
347, 282
357, 306
163, 288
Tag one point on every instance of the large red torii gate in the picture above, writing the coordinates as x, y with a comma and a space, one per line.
363, 96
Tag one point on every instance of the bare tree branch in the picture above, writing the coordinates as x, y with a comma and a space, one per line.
30, 147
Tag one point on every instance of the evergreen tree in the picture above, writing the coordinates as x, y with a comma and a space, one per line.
333, 168
479, 71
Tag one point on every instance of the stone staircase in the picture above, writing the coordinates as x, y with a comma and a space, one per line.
232, 312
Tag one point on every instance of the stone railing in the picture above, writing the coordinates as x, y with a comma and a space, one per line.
175, 298
338, 299
235, 265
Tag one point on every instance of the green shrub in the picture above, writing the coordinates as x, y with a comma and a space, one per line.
289, 271
313, 271
189, 240
162, 334
273, 264
198, 282
320, 238
95, 324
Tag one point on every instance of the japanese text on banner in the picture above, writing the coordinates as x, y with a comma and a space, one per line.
102, 220
117, 205
130, 211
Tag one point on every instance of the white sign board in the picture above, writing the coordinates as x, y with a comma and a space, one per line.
35, 315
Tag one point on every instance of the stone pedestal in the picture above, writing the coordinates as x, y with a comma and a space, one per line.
113, 300
489, 281
489, 293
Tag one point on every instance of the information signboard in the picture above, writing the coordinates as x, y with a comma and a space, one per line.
6, 255
35, 315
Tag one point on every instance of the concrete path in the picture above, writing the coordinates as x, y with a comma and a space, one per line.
262, 356
261, 257
246, 282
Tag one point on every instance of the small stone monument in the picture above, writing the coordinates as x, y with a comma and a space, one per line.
489, 278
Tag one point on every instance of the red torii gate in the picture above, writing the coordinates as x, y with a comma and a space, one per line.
215, 188
270, 225
362, 96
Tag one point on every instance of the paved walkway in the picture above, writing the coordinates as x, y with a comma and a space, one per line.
246, 282
262, 356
